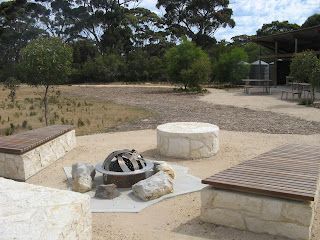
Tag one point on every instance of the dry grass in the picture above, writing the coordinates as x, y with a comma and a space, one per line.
86, 115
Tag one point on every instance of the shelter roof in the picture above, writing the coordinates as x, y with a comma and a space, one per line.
308, 38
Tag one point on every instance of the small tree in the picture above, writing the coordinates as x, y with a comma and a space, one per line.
231, 67
46, 62
305, 67
188, 64
13, 85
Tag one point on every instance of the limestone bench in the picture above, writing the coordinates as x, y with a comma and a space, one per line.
23, 155
275, 193
30, 212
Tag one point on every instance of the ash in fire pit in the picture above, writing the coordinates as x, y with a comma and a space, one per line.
124, 168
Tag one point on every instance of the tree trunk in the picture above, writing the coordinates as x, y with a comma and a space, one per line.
45, 102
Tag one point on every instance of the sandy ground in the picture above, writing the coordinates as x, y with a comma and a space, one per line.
258, 101
178, 217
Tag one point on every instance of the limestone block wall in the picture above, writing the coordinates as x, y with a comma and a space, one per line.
260, 214
188, 140
35, 212
22, 167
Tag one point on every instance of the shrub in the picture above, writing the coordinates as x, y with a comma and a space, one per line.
188, 64
24, 124
8, 131
231, 67
13, 85
80, 122
305, 67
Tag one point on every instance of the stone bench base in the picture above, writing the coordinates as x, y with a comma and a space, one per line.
257, 213
34, 212
188, 140
23, 166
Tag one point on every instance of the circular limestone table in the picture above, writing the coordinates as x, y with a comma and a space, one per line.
187, 140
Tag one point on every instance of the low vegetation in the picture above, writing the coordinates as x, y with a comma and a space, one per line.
86, 115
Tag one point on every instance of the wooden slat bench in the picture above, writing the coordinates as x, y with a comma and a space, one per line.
293, 93
23, 155
284, 181
264, 88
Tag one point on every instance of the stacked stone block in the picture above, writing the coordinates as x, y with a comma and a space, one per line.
260, 214
23, 166
35, 212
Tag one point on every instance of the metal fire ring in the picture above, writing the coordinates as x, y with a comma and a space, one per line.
132, 156
149, 166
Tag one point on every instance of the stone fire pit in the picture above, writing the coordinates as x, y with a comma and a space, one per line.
187, 140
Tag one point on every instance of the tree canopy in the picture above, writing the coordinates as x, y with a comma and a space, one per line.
197, 19
276, 27
312, 21
46, 62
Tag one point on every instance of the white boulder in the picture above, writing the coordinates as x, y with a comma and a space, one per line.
163, 166
153, 187
82, 177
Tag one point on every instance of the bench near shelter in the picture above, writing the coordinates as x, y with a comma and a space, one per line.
24, 154
263, 84
275, 192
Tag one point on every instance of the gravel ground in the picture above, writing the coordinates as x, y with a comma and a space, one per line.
169, 106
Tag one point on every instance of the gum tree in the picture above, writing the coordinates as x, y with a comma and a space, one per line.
46, 62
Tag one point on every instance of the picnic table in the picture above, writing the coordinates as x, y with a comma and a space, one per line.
265, 84
298, 88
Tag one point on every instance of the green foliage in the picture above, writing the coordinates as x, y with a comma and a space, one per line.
19, 24
143, 67
252, 50
105, 68
305, 101
24, 124
46, 62
305, 67
231, 67
188, 64
13, 85
276, 27
312, 21
197, 19
80, 123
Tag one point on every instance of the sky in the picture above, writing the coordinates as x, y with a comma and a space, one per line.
250, 15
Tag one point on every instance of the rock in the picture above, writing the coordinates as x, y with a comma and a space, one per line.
82, 177
163, 166
153, 187
108, 191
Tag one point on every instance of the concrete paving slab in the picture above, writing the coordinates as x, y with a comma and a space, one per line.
128, 202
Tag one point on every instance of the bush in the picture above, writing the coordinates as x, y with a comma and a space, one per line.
305, 67
13, 85
188, 64
231, 67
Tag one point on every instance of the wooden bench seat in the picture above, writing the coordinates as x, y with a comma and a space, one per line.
24, 154
290, 171
248, 87
275, 192
293, 93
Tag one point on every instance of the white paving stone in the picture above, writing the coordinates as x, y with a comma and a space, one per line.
188, 140
35, 212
